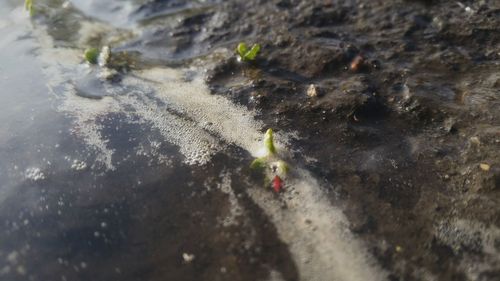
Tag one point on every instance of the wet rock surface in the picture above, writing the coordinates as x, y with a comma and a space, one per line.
400, 137
402, 133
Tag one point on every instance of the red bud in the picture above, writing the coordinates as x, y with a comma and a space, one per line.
277, 184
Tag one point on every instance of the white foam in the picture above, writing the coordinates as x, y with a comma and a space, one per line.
235, 209
317, 233
78, 165
34, 174
61, 66
461, 233
235, 124
195, 144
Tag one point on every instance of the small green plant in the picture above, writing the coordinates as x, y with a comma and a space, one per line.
247, 54
28, 5
91, 55
269, 142
258, 164
270, 165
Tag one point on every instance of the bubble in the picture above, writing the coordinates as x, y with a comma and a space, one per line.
34, 174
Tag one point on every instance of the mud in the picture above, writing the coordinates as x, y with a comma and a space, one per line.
397, 138
401, 142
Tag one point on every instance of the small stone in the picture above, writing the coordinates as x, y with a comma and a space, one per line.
475, 141
356, 63
485, 167
188, 258
399, 249
312, 91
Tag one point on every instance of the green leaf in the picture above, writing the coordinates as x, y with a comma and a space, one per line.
250, 55
242, 49
269, 142
91, 55
28, 5
258, 164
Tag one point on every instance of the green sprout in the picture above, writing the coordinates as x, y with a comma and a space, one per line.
273, 169
91, 55
28, 5
269, 142
248, 54
282, 167
258, 164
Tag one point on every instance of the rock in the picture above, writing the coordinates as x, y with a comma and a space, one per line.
312, 91
485, 167
188, 258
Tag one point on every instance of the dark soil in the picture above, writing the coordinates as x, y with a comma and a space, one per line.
399, 137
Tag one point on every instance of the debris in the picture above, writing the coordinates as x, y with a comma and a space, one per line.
188, 258
356, 63
485, 167
475, 141
312, 91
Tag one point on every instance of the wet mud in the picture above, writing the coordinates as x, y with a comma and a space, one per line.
400, 137
392, 107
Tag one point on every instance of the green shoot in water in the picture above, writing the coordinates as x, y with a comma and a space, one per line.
282, 167
273, 169
269, 142
246, 54
258, 164
28, 5
91, 55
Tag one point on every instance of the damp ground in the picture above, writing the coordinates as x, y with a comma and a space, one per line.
387, 112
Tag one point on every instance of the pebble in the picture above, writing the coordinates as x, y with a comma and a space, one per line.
312, 91
485, 167
188, 258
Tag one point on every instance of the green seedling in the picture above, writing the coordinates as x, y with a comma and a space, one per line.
282, 167
91, 55
28, 5
247, 54
270, 165
258, 164
269, 142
